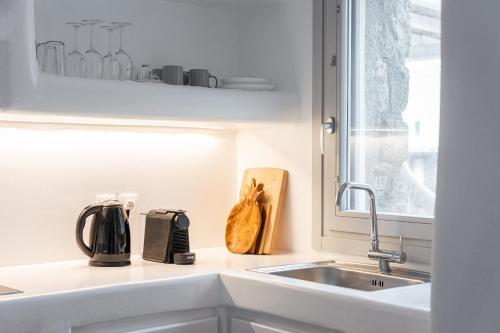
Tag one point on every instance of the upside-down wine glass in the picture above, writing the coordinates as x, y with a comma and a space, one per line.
76, 64
125, 60
92, 56
111, 66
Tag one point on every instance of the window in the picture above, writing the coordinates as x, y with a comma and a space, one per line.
390, 115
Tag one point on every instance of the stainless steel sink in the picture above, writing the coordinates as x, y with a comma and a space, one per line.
349, 275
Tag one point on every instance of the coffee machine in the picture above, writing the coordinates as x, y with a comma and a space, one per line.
166, 237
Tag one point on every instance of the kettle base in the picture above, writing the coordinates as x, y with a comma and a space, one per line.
109, 264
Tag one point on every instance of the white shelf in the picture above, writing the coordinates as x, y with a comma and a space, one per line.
39, 97
196, 106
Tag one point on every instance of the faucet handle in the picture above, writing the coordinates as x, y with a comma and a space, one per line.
402, 254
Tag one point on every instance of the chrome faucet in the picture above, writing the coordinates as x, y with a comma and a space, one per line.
375, 253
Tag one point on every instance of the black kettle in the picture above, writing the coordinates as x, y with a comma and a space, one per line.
109, 244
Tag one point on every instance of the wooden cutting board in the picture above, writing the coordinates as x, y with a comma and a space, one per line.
274, 181
245, 219
259, 243
243, 226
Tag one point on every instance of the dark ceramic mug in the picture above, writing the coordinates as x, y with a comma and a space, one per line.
201, 78
175, 75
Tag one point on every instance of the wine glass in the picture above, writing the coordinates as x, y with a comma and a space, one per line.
92, 57
125, 60
111, 66
76, 64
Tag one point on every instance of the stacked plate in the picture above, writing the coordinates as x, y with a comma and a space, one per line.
247, 83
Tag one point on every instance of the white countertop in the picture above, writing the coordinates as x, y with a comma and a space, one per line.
46, 281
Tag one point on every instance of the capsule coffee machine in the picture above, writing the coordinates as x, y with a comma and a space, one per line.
166, 237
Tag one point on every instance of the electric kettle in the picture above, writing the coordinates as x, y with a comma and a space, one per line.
109, 243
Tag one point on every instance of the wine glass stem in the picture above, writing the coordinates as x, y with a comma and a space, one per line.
121, 29
75, 39
109, 41
91, 36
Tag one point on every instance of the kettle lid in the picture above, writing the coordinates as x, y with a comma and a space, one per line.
110, 203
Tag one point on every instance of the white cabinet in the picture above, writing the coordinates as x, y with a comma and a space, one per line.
208, 325
242, 321
212, 320
230, 38
245, 326
175, 322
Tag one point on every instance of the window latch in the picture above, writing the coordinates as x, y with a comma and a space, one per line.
329, 127
333, 62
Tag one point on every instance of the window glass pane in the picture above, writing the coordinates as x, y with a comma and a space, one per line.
393, 112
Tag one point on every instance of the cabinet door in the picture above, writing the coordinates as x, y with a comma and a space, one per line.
208, 325
245, 326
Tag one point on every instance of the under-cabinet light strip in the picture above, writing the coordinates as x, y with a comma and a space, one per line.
79, 120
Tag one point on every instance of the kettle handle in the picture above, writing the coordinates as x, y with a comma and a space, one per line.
80, 224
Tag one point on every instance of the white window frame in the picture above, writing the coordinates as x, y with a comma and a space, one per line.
347, 231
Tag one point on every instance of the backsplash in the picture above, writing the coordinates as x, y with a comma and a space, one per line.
49, 173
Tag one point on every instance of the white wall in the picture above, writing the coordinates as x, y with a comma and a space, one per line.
48, 174
3, 73
466, 261
276, 40
4, 34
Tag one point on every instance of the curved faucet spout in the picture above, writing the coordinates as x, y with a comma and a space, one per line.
354, 186
373, 210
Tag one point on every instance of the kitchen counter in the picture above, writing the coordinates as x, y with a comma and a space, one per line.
218, 279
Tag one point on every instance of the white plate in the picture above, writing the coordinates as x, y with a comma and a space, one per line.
244, 80
152, 81
249, 86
